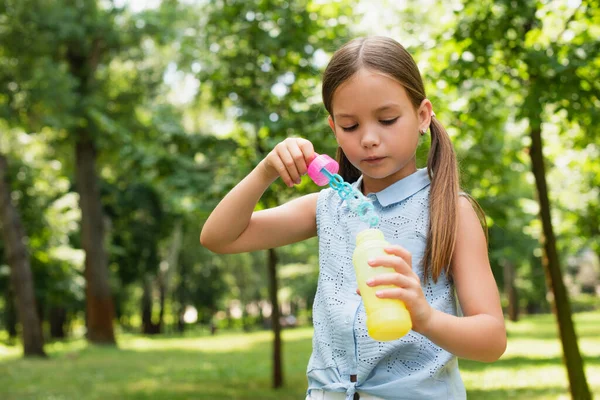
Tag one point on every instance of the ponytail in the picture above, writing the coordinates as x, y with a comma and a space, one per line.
443, 203
390, 58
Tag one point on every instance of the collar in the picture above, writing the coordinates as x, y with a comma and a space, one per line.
400, 190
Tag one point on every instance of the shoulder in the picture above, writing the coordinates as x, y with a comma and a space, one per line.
464, 203
470, 217
325, 196
326, 193
468, 207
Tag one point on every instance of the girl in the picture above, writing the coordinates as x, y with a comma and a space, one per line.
377, 108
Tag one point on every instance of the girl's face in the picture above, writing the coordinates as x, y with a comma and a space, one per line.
377, 127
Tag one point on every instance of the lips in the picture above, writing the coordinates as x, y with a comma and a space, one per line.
373, 159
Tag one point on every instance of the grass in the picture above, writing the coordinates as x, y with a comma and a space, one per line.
236, 366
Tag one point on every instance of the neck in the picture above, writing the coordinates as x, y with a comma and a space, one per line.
374, 185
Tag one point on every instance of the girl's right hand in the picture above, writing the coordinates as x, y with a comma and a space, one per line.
289, 159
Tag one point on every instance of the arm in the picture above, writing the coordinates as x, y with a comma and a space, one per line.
480, 335
234, 227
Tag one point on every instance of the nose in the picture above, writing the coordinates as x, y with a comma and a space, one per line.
370, 138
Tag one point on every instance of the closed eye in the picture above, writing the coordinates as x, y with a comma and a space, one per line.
350, 128
389, 121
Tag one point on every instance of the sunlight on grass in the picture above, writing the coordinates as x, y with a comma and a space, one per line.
142, 385
532, 364
216, 344
10, 351
237, 366
495, 378
16, 351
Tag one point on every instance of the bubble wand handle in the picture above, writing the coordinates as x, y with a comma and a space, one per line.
323, 170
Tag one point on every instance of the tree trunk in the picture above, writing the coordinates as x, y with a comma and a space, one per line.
162, 293
245, 322
148, 328
511, 290
273, 286
10, 314
165, 276
58, 318
560, 301
180, 298
180, 320
21, 277
99, 303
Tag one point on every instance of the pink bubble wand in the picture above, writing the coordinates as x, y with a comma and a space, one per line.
323, 170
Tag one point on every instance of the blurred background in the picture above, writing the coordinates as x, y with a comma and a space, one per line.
123, 122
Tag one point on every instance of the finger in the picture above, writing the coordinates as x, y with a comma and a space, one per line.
394, 293
298, 157
282, 170
395, 279
358, 291
391, 262
400, 252
290, 165
307, 150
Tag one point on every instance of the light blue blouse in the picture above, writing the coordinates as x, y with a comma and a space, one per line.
409, 368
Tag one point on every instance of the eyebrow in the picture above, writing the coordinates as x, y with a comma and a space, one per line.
382, 108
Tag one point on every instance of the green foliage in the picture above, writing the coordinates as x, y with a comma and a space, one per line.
92, 66
184, 99
510, 64
265, 67
48, 214
263, 71
139, 223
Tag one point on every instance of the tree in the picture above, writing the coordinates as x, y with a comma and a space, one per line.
75, 55
490, 155
76, 77
139, 223
549, 70
17, 255
263, 68
49, 214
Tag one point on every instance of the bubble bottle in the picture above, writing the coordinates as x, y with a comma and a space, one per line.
387, 319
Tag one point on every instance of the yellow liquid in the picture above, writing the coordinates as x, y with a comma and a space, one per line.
387, 319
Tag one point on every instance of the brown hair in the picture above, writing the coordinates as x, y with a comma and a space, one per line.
389, 57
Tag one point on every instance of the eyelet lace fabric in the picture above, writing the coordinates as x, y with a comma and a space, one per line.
341, 345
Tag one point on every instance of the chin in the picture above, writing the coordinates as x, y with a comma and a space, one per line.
376, 174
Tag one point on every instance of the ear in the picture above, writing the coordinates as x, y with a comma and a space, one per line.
424, 114
332, 126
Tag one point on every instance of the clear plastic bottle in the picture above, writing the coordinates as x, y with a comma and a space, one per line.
387, 319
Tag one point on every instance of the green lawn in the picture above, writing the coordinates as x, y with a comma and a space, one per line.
237, 366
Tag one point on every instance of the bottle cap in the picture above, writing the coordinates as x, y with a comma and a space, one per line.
317, 164
369, 234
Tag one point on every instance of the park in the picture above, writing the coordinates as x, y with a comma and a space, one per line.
124, 123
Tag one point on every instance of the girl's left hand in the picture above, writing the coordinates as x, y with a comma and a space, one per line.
408, 285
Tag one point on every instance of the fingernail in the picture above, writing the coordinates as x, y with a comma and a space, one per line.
371, 262
378, 294
369, 282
